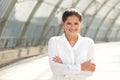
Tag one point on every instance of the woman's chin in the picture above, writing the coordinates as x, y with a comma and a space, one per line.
73, 33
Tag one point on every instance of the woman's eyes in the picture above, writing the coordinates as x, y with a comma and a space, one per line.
76, 23
71, 23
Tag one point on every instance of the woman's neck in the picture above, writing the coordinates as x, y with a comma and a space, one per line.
71, 37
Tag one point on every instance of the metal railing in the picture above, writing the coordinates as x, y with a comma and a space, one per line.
12, 42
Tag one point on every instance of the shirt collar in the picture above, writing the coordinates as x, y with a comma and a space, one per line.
68, 44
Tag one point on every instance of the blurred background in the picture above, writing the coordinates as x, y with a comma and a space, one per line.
33, 22
27, 25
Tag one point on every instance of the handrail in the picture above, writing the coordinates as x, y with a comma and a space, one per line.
13, 42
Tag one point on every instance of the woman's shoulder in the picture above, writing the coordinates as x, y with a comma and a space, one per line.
88, 39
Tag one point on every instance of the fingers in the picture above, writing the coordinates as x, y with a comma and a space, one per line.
89, 63
92, 67
93, 64
88, 66
57, 59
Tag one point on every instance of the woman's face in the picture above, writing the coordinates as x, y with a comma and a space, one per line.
72, 25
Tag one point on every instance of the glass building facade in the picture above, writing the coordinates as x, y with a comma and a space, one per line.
33, 22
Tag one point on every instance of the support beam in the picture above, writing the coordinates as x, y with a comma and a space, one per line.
26, 25
97, 11
75, 3
6, 15
42, 33
118, 31
60, 27
83, 13
110, 27
99, 26
88, 7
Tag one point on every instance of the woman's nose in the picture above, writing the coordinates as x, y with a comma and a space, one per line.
72, 26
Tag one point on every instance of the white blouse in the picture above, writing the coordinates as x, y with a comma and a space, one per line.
71, 57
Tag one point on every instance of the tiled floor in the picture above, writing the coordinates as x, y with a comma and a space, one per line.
37, 68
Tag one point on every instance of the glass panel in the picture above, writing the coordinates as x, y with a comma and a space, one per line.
12, 29
54, 21
118, 6
85, 23
100, 1
112, 2
42, 13
101, 35
93, 8
95, 22
104, 27
118, 20
66, 3
58, 14
82, 5
52, 2
113, 13
51, 31
3, 6
57, 18
118, 36
33, 31
114, 32
104, 10
116, 27
32, 34
22, 10
93, 27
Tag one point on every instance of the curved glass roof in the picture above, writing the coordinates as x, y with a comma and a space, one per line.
33, 22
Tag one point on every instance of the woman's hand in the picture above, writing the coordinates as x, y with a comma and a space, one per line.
88, 66
57, 59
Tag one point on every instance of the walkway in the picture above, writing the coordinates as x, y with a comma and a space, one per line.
37, 68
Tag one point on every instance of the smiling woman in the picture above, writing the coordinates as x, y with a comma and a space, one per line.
71, 22
71, 56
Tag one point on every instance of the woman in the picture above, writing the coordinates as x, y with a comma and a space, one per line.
71, 56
